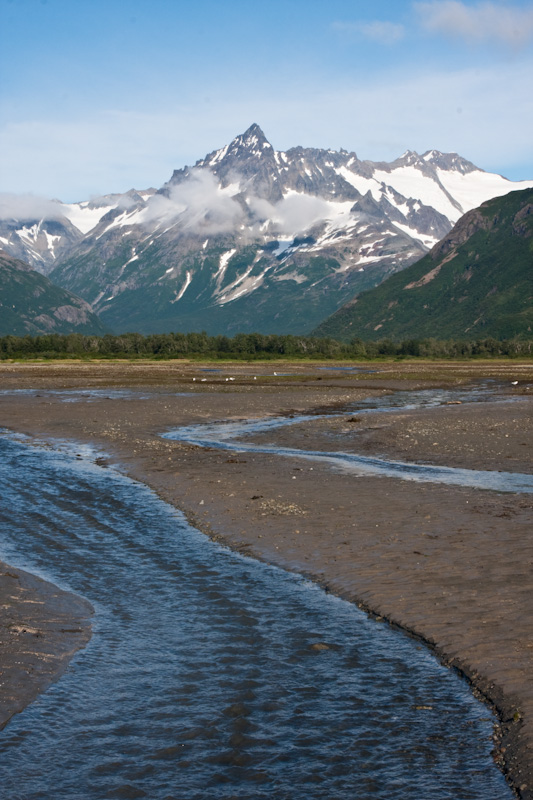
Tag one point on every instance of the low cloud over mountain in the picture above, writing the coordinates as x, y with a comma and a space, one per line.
250, 238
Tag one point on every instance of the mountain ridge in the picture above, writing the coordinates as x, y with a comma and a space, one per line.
251, 238
31, 304
476, 282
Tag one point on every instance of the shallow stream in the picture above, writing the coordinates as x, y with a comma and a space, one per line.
233, 436
211, 675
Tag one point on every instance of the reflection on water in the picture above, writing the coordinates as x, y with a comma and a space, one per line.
210, 675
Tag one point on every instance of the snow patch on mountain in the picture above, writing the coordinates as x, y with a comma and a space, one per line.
86, 215
359, 182
248, 221
223, 262
412, 183
291, 276
52, 242
471, 190
31, 233
184, 288
244, 285
222, 266
427, 241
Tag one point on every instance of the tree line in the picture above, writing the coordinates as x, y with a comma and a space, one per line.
251, 346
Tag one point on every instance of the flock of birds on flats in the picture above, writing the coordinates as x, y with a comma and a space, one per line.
203, 380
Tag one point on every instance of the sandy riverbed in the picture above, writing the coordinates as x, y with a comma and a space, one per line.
450, 564
41, 628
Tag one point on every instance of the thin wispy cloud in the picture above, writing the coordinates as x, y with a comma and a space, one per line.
482, 22
365, 82
482, 112
104, 151
378, 31
28, 207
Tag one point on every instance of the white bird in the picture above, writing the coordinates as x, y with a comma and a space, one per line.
194, 379
204, 379
513, 383
232, 379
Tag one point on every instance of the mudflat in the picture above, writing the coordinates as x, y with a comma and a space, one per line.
450, 564
41, 628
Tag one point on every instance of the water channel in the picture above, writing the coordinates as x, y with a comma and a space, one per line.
211, 675
234, 436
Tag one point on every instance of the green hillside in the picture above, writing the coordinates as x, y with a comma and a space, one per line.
149, 302
478, 281
31, 304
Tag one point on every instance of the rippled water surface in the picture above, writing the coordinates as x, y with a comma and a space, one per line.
210, 675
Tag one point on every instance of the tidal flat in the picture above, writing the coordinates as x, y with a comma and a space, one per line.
450, 564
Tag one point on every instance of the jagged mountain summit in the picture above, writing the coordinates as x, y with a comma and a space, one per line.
476, 282
251, 238
31, 304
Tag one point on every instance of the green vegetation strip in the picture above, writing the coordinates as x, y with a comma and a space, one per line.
251, 346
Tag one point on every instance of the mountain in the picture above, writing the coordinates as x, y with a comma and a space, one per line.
31, 304
476, 282
41, 232
39, 242
254, 239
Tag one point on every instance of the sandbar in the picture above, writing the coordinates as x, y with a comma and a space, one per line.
41, 628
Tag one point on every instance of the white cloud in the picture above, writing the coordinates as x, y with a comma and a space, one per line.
125, 203
379, 31
299, 212
485, 21
198, 203
293, 215
484, 113
108, 151
28, 207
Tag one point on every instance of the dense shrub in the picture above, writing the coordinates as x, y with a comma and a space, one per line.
251, 346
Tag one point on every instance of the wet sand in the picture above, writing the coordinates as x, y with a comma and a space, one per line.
451, 565
41, 628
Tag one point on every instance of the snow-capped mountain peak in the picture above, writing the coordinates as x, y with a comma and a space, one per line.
250, 144
250, 230
449, 161
252, 141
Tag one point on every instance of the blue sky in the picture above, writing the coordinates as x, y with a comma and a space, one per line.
99, 96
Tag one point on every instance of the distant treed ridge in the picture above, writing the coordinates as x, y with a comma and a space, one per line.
251, 346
